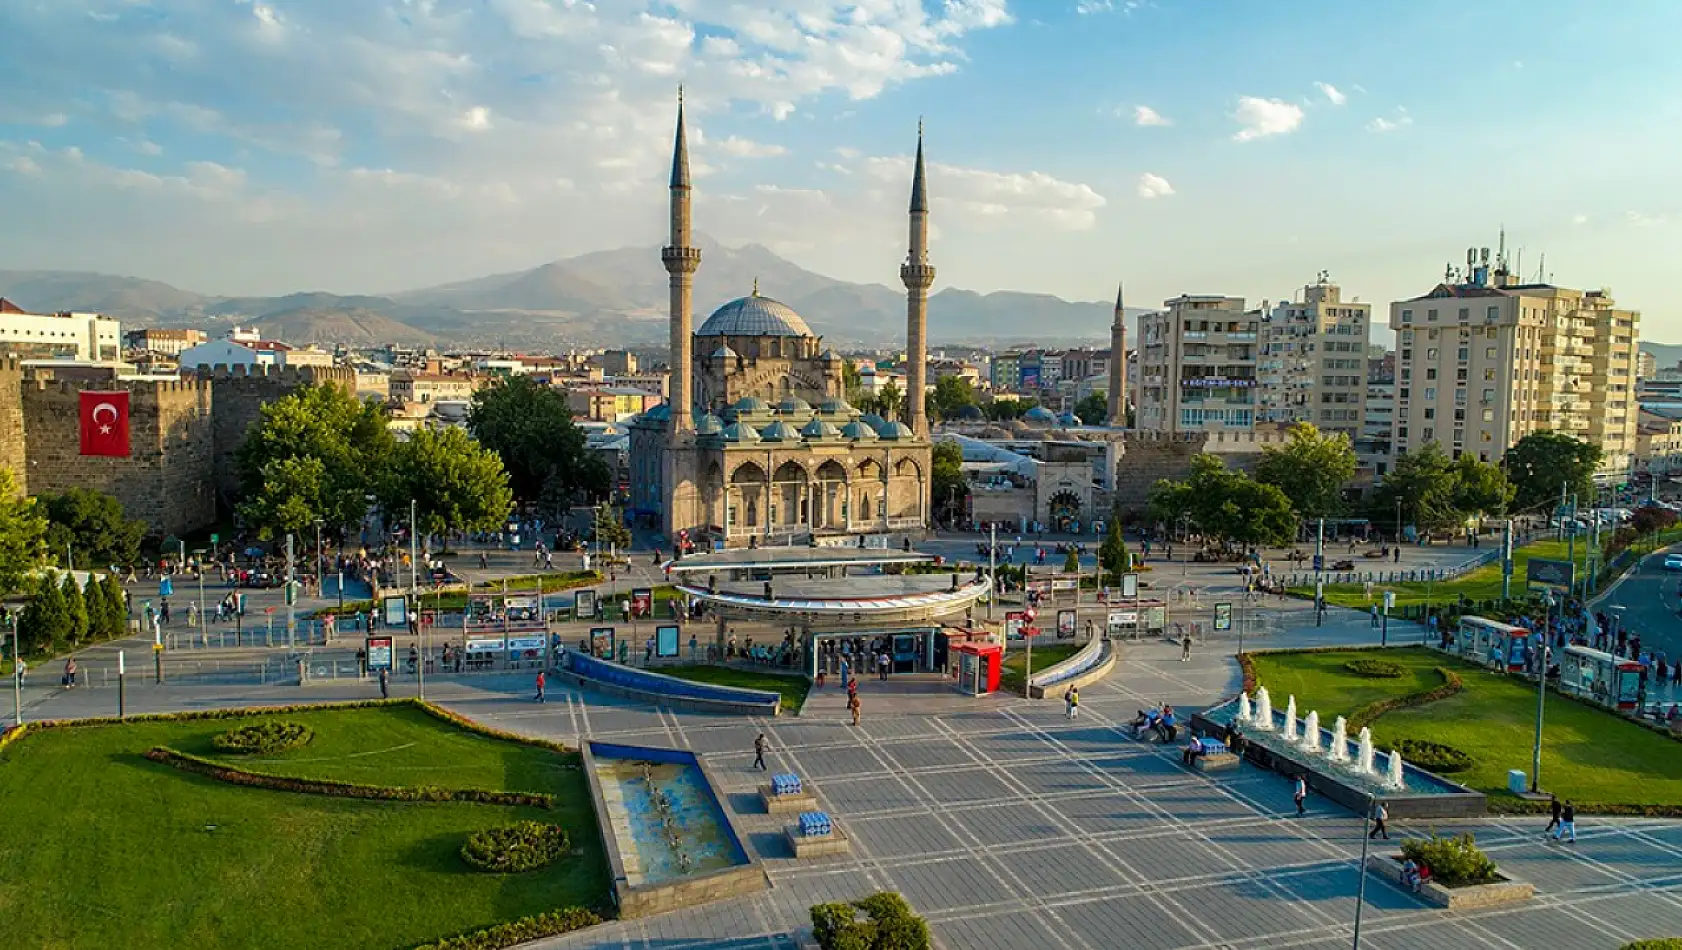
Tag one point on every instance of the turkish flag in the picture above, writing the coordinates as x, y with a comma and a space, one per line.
105, 424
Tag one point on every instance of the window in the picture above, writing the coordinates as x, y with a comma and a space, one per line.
1407, 354
1406, 373
1430, 392
1488, 375
1431, 354
1460, 375
1459, 436
1459, 415
1489, 415
1431, 316
1462, 354
1430, 413
1489, 352
1492, 313
1407, 316
1401, 432
1430, 372
1402, 392
1485, 437
1430, 434
1465, 313
1489, 395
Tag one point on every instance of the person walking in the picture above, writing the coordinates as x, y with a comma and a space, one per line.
759, 746
853, 707
1374, 616
1567, 822
385, 684
1298, 793
542, 681
1553, 812
846, 671
1185, 649
70, 673
1380, 814
1071, 703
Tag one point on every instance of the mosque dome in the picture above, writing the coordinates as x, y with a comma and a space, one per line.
793, 405
750, 405
836, 408
970, 413
739, 432
896, 431
859, 431
1068, 419
660, 413
873, 420
780, 431
709, 425
819, 431
754, 315
1039, 416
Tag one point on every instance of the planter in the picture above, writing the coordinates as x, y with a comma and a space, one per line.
1470, 897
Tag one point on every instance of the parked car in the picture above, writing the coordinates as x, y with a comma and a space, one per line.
1673, 562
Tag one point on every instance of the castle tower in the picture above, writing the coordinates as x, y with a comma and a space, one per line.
1118, 364
681, 262
917, 275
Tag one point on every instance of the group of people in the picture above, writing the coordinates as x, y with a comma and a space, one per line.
1159, 721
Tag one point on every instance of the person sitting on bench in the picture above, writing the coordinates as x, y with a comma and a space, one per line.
1194, 748
1145, 720
1165, 727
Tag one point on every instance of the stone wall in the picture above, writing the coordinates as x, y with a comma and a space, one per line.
166, 479
1147, 457
13, 445
241, 394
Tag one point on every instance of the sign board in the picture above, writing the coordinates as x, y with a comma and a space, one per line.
1039, 586
484, 644
1130, 585
1546, 573
666, 641
584, 605
642, 602
526, 647
1156, 618
379, 653
1015, 620
1223, 616
1319, 562
1065, 623
397, 611
1389, 601
1123, 618
601, 641
1065, 582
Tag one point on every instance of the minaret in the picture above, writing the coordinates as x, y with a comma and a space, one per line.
681, 262
917, 274
1118, 364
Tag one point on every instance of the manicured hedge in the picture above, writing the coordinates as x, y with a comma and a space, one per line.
890, 924
422, 793
1455, 861
1435, 756
1374, 669
1511, 805
263, 737
462, 722
512, 849
1661, 943
524, 930
1365, 715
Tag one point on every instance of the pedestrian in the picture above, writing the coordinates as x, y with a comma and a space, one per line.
385, 684
853, 707
1185, 649
541, 682
882, 665
1375, 616
1379, 815
820, 675
759, 746
1298, 793
1553, 812
1567, 822
1071, 703
846, 680
70, 673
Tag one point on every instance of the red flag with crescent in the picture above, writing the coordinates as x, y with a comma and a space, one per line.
105, 424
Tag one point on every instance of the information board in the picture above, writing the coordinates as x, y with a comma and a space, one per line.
666, 641
1065, 623
397, 611
642, 602
1223, 616
584, 605
379, 653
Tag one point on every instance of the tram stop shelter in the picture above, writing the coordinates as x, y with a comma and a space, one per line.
828, 595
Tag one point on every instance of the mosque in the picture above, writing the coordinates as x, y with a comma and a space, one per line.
756, 445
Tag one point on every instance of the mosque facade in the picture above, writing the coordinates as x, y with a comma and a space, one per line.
756, 444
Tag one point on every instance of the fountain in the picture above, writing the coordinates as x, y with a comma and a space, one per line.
1244, 715
1339, 751
1395, 778
1264, 710
1311, 732
1363, 765
1290, 733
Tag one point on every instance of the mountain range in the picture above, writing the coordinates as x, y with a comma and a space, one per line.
614, 298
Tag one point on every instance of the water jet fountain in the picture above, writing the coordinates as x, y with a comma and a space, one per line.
1395, 779
1311, 732
1244, 713
1363, 765
1290, 733
1339, 751
1264, 710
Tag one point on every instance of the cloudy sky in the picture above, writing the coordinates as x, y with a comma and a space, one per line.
1203, 146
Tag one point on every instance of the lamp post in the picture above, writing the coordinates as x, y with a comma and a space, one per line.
1541, 695
992, 566
17, 679
320, 562
122, 688
1361, 888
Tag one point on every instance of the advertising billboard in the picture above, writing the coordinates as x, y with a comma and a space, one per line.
379, 653
665, 641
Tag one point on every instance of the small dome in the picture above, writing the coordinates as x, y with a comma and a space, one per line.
859, 431
896, 432
830, 356
755, 316
818, 429
873, 420
836, 407
660, 413
724, 353
1068, 419
793, 404
709, 425
738, 432
780, 431
1039, 416
971, 413
750, 404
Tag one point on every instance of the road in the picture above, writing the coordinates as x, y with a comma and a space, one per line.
1650, 602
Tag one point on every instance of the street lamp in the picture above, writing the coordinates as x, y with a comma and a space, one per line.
1541, 694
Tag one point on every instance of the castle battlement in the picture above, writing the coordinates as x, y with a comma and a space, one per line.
284, 375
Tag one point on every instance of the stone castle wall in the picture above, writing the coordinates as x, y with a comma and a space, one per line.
1150, 456
241, 393
13, 443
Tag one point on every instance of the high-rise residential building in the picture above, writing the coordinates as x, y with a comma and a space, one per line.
1484, 361
1646, 365
1313, 363
1197, 366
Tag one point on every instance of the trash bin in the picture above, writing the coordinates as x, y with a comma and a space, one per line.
1516, 782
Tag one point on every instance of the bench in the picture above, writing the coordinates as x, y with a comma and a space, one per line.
1216, 762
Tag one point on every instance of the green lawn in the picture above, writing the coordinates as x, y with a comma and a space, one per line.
1045, 655
1484, 583
552, 581
102, 848
1588, 754
793, 687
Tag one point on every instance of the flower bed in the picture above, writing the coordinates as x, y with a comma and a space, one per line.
1454, 860
282, 783
516, 848
1366, 714
1661, 943
890, 925
1434, 756
1374, 669
263, 738
524, 930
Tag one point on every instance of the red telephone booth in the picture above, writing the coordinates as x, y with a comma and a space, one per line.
977, 668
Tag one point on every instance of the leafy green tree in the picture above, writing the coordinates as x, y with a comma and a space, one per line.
22, 532
1541, 462
1113, 556
1093, 409
1311, 468
948, 488
951, 393
529, 425
456, 483
93, 526
116, 603
76, 606
1004, 410
852, 383
1071, 562
610, 527
294, 493
1425, 483
99, 609
1225, 505
1481, 489
326, 423
890, 401
46, 623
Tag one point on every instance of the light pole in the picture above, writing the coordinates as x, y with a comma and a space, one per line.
204, 626
320, 569
17, 680
1541, 695
992, 566
122, 685
291, 578
1361, 888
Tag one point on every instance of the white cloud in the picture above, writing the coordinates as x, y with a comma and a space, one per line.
1642, 219
1088, 7
23, 165
747, 148
477, 118
1264, 117
1579, 219
1145, 115
1391, 124
1154, 186
1332, 94
978, 192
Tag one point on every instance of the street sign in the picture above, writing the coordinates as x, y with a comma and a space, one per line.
1319, 562
1389, 601
1546, 573
1130, 585
214, 539
1223, 616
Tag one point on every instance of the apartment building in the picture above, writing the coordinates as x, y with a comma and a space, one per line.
1004, 371
1658, 440
1646, 366
169, 342
408, 385
1483, 361
59, 336
1313, 362
1197, 366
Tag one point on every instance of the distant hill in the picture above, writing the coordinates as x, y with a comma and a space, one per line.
1666, 355
130, 299
353, 327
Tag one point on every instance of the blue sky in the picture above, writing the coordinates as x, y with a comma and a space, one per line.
263, 146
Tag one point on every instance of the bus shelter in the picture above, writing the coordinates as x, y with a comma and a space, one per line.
1132, 619
504, 632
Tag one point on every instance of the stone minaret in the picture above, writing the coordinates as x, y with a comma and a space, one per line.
917, 274
1118, 364
681, 262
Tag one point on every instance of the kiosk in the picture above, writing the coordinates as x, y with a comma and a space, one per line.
1600, 677
978, 666
1490, 643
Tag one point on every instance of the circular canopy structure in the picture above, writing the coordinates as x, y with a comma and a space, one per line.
755, 316
862, 600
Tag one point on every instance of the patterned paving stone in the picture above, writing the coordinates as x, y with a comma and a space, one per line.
1239, 909
965, 786
943, 885
1063, 869
1168, 857
1012, 931
1548, 927
1012, 824
926, 753
1332, 891
1107, 813
1134, 918
859, 797
837, 762
903, 836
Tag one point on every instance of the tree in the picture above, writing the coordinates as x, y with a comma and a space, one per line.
1094, 409
1424, 481
1071, 562
1481, 489
1311, 469
1112, 554
456, 483
101, 616
1225, 505
1541, 462
46, 622
890, 401
947, 478
1650, 518
610, 527
529, 425
852, 384
294, 493
93, 526
1004, 410
116, 603
327, 423
76, 606
22, 530
951, 394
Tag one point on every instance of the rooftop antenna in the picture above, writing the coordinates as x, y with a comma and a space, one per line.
1541, 269
1501, 254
